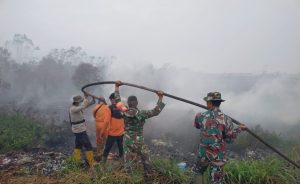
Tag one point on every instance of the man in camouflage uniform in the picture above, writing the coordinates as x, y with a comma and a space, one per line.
134, 121
216, 129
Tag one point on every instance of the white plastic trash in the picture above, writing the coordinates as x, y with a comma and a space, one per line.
181, 166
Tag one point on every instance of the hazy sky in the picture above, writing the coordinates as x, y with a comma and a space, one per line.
217, 36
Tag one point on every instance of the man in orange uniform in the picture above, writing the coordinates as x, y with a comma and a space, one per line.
102, 117
116, 130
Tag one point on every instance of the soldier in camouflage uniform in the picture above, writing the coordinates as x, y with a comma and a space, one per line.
134, 121
216, 129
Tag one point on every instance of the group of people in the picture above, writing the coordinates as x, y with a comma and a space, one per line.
123, 125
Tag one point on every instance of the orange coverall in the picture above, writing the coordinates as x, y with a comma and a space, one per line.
102, 117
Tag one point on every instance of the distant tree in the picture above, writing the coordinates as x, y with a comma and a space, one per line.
3, 84
75, 56
4, 56
49, 82
22, 49
72, 55
52, 75
4, 66
85, 73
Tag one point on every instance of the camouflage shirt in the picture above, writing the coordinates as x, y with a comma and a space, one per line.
135, 119
216, 128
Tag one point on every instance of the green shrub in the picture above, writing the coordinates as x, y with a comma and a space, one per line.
20, 133
17, 132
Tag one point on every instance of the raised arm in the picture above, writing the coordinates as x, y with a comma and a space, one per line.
117, 91
157, 109
85, 104
92, 102
80, 107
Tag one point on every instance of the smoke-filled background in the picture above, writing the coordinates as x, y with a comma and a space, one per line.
249, 51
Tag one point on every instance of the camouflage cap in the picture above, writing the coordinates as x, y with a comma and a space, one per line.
77, 99
213, 96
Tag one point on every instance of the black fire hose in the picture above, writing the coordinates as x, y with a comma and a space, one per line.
189, 102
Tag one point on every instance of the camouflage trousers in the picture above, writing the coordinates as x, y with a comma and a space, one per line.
135, 151
212, 160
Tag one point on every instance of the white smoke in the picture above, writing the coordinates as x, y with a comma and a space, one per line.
266, 99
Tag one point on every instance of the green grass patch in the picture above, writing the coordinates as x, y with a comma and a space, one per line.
163, 171
170, 171
71, 165
268, 171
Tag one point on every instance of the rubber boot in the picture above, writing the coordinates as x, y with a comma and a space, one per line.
77, 154
90, 158
198, 179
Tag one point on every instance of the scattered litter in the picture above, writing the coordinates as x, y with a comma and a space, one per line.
181, 166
